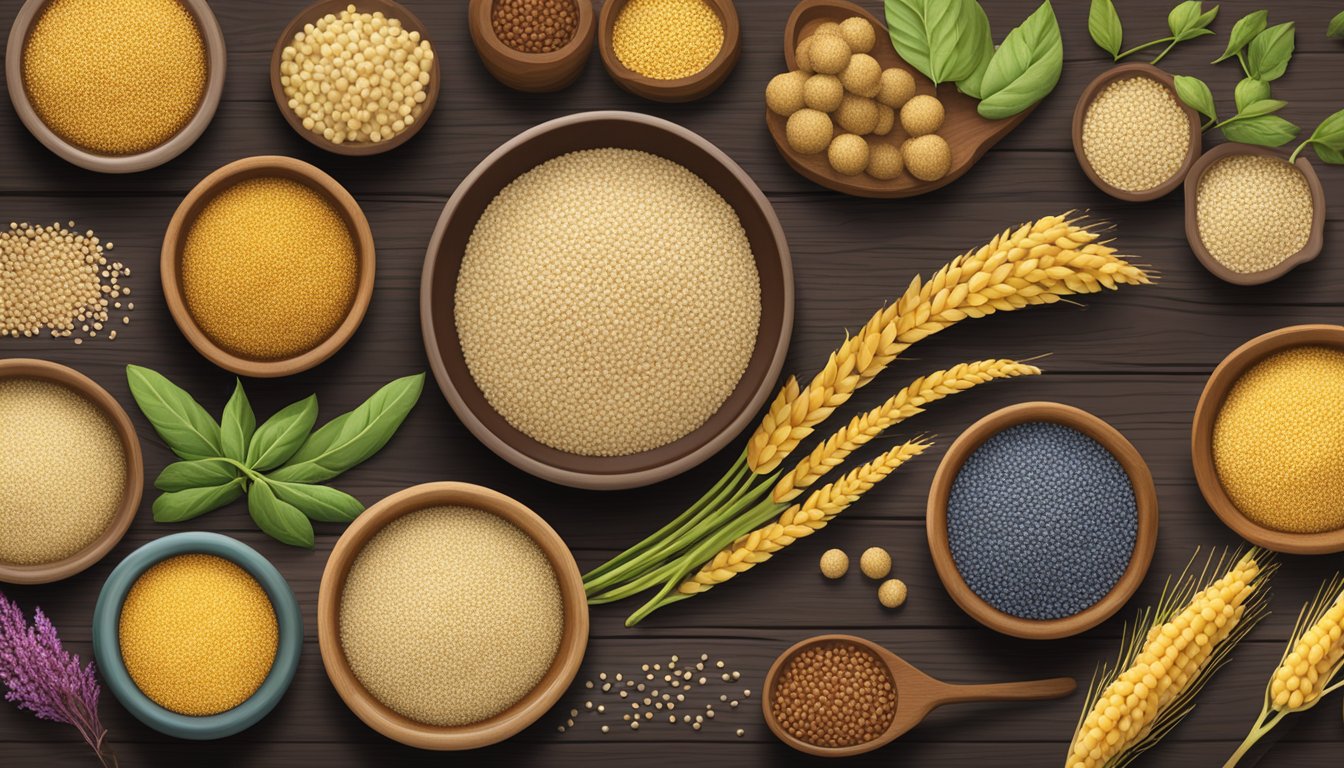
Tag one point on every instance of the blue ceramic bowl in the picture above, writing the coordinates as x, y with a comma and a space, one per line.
107, 647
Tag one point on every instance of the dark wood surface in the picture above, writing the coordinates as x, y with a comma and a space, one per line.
1137, 358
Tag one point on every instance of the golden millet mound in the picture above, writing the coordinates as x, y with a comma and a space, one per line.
884, 162
834, 563
857, 115
886, 120
892, 593
823, 92
829, 54
875, 563
862, 76
895, 87
784, 94
809, 131
922, 115
859, 34
848, 154
928, 158
803, 55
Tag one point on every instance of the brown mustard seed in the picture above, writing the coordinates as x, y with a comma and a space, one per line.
535, 26
834, 695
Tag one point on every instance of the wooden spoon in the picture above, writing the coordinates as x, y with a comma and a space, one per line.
917, 695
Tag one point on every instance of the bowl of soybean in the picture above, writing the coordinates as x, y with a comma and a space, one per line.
1042, 520
268, 266
533, 45
669, 50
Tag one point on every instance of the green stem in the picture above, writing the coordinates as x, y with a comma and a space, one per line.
1241, 59
1166, 50
251, 474
1261, 728
1138, 48
1293, 157
1208, 125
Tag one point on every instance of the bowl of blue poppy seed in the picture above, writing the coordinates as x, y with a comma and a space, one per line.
1042, 520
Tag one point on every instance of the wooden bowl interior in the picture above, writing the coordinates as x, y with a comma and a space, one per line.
681, 89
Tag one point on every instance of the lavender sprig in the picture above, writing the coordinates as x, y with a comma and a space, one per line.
41, 677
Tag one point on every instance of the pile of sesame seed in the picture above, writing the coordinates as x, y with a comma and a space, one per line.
55, 278
198, 634
834, 694
672, 692
667, 39
1278, 441
115, 77
63, 475
269, 269
1135, 134
608, 302
1253, 212
450, 615
1042, 521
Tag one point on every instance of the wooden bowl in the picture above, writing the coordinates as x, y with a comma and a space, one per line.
1145, 497
591, 130
1315, 242
1094, 89
21, 368
696, 86
1228, 372
390, 9
174, 240
968, 134
532, 72
215, 63
523, 713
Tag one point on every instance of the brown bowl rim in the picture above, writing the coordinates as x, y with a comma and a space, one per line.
216, 58
523, 712
204, 191
689, 88
1090, 93
316, 10
1145, 497
1315, 243
27, 368
552, 71
1211, 399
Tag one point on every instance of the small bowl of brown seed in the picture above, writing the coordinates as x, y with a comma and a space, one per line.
533, 45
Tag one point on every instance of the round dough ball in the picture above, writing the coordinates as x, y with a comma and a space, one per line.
922, 115
886, 120
862, 76
823, 92
875, 563
809, 131
884, 162
848, 154
857, 114
834, 563
859, 34
802, 55
895, 87
784, 94
892, 593
827, 28
829, 54
928, 158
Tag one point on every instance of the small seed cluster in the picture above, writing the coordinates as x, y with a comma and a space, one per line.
357, 77
53, 278
1253, 212
535, 26
667, 39
842, 102
672, 692
834, 695
1135, 134
875, 563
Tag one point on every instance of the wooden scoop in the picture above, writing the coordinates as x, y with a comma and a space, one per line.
917, 695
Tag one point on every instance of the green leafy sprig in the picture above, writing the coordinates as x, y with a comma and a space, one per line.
1336, 28
1187, 21
278, 464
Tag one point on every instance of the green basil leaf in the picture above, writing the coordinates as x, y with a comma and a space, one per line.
1196, 95
1329, 154
978, 47
184, 425
318, 502
281, 435
353, 437
1336, 28
927, 34
237, 424
1269, 53
184, 505
1189, 20
1249, 91
1025, 68
1263, 131
1330, 132
1243, 32
1262, 107
278, 519
201, 473
1103, 23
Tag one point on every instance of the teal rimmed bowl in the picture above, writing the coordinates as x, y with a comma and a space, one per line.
107, 647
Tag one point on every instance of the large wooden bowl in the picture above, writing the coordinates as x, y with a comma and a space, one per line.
532, 72
1145, 497
690, 88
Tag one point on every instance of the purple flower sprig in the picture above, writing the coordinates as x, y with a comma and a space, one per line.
41, 677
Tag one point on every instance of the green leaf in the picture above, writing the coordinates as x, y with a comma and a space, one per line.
184, 425
1249, 91
278, 519
1261, 107
237, 424
1331, 131
1188, 20
928, 35
194, 502
1103, 23
1025, 68
1336, 28
201, 473
1268, 55
1263, 131
1196, 95
281, 435
1329, 154
1243, 32
318, 502
978, 47
353, 437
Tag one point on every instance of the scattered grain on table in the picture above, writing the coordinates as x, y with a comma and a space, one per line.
667, 39
1253, 212
835, 694
55, 279
669, 685
1135, 134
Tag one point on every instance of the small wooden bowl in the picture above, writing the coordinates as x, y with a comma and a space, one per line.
174, 240
697, 86
1094, 89
1220, 383
532, 72
21, 368
1145, 497
390, 9
1315, 242
216, 61
523, 713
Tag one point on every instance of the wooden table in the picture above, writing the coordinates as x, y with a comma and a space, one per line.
1137, 358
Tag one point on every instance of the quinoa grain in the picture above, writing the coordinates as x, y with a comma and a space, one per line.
1253, 212
1135, 134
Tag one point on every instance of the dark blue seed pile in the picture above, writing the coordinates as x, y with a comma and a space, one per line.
1041, 521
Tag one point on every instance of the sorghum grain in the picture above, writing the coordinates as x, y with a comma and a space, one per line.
57, 279
1253, 212
667, 39
535, 26
834, 695
1135, 134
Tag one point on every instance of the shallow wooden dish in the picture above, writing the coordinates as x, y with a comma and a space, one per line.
216, 61
512, 720
696, 86
1201, 438
170, 261
532, 72
391, 9
1315, 242
1145, 497
591, 130
968, 134
21, 368
1094, 89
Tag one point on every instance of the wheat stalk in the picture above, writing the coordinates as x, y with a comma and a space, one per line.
1036, 264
